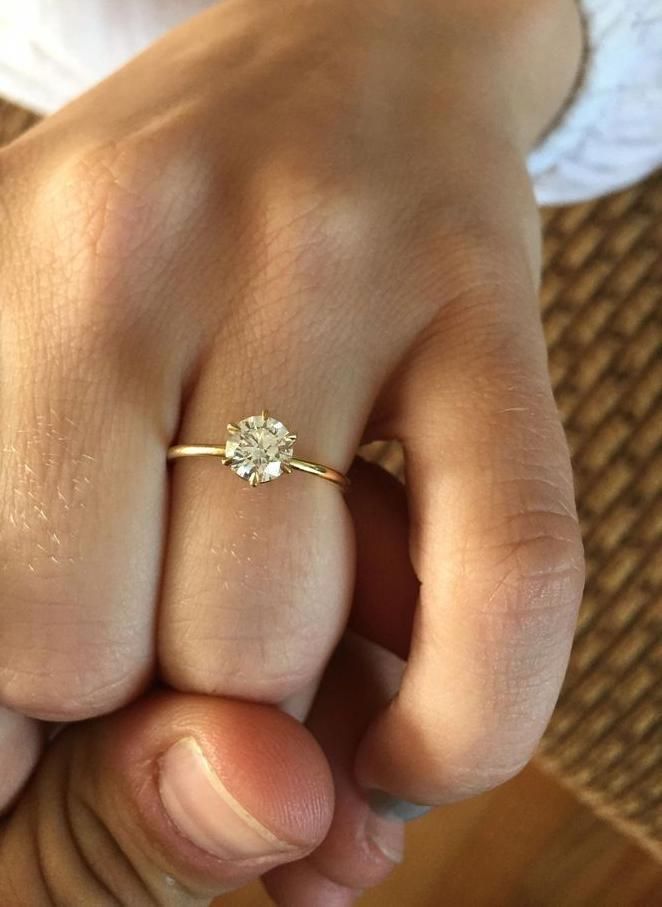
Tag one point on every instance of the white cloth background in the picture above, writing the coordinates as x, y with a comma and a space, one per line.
610, 136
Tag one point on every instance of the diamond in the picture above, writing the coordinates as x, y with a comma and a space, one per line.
259, 448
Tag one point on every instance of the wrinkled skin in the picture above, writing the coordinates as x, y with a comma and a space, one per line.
321, 208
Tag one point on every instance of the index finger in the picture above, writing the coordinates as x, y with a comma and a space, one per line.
496, 546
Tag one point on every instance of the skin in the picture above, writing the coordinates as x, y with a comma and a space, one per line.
321, 208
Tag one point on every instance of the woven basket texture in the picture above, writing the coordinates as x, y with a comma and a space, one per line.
602, 308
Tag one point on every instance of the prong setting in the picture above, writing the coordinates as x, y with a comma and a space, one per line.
259, 448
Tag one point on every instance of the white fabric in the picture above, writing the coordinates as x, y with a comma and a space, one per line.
610, 136
52, 50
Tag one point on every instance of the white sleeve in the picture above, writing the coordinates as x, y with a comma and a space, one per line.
610, 136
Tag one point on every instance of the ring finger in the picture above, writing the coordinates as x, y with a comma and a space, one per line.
258, 580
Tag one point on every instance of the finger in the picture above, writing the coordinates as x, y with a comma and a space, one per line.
361, 849
258, 580
20, 745
495, 543
168, 802
301, 885
358, 682
386, 587
86, 410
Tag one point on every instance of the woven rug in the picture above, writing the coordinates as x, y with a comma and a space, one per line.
602, 306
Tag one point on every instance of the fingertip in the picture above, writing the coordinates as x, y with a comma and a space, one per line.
361, 848
220, 791
300, 884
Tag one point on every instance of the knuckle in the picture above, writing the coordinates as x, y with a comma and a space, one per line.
69, 649
309, 223
483, 256
531, 560
314, 237
88, 196
49, 691
485, 272
518, 546
96, 220
264, 664
485, 261
524, 590
57, 666
235, 623
106, 223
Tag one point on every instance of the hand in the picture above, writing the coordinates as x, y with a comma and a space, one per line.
324, 210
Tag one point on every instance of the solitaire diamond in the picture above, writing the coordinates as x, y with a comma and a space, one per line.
259, 448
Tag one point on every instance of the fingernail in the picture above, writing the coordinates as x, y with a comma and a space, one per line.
387, 836
204, 810
391, 808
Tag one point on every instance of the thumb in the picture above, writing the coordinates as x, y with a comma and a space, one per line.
171, 801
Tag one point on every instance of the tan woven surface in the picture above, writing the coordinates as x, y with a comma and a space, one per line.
602, 299
602, 302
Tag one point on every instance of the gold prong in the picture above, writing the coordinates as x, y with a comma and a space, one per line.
233, 428
287, 468
265, 414
226, 461
291, 437
253, 479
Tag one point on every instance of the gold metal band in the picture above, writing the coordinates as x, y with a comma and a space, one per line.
214, 450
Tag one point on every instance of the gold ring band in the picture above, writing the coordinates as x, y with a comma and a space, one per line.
259, 449
177, 451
